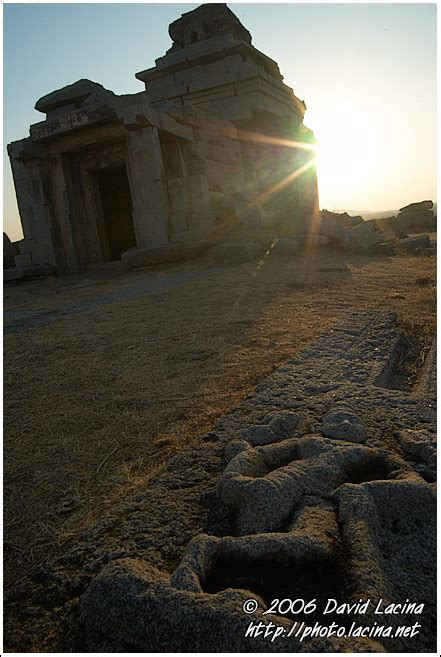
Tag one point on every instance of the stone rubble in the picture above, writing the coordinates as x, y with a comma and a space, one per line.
376, 236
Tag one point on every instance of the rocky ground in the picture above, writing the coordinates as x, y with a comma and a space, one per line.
122, 394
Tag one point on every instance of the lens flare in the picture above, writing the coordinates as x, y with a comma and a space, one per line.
261, 139
289, 178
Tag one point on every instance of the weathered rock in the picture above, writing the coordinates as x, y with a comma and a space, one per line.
351, 222
419, 219
422, 205
364, 236
344, 219
177, 615
282, 424
413, 244
358, 238
259, 434
390, 530
388, 236
384, 223
73, 95
204, 598
328, 226
275, 427
343, 424
234, 448
334, 519
386, 249
428, 253
265, 484
419, 447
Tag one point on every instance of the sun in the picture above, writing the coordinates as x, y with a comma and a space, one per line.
351, 145
348, 153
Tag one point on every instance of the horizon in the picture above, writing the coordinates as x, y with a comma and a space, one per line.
361, 119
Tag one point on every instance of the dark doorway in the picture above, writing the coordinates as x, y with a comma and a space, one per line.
116, 202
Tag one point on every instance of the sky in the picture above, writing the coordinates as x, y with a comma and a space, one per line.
367, 73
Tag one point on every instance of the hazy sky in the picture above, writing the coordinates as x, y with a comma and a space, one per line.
367, 73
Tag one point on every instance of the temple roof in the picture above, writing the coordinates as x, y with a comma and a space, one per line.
73, 94
205, 22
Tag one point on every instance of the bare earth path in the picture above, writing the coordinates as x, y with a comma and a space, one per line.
25, 319
136, 365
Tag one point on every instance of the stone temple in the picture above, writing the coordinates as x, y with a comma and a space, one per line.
213, 141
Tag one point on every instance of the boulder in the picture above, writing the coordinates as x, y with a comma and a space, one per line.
400, 225
383, 228
344, 219
422, 205
385, 223
414, 244
357, 239
350, 222
328, 226
362, 237
428, 253
385, 248
388, 236
415, 220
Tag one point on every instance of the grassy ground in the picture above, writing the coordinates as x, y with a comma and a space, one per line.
97, 402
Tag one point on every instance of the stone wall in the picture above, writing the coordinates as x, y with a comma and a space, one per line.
42, 240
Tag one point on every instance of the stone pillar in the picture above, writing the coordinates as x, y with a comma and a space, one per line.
151, 211
30, 170
64, 196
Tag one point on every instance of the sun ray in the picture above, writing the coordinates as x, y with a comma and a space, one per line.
277, 187
258, 138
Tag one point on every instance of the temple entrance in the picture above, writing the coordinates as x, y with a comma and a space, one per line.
116, 202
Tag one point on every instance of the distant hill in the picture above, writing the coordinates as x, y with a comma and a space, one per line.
373, 214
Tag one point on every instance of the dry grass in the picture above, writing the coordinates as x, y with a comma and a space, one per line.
96, 403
